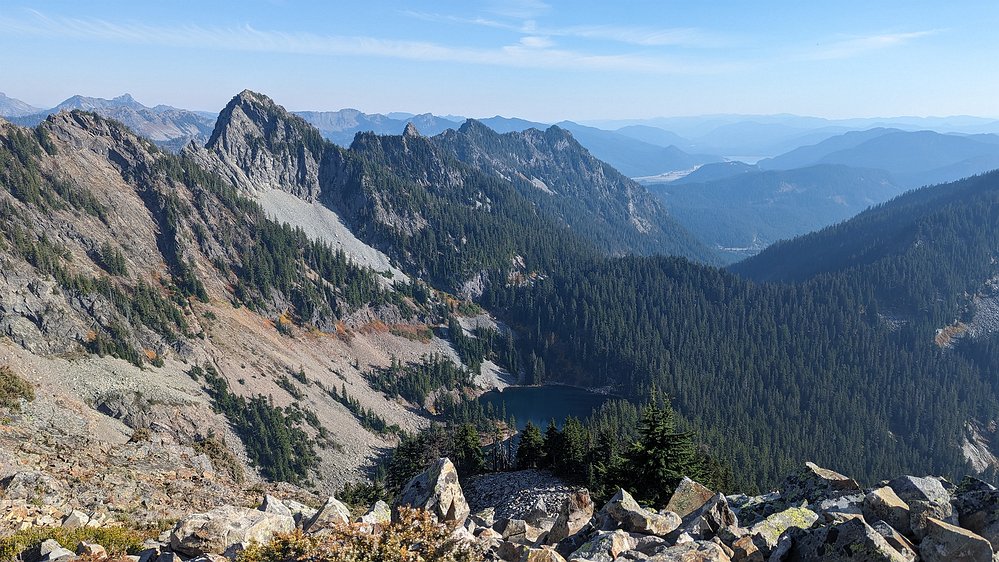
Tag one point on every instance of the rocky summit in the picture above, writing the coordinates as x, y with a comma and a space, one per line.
936, 521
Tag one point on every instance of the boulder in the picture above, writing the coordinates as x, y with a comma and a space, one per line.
333, 512
834, 510
52, 550
576, 512
926, 498
75, 520
896, 540
708, 520
745, 550
301, 512
226, 530
438, 491
950, 543
813, 484
274, 505
485, 517
605, 546
91, 550
885, 505
852, 540
693, 551
623, 512
379, 514
543, 554
688, 497
766, 532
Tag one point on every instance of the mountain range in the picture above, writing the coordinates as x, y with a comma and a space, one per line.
319, 287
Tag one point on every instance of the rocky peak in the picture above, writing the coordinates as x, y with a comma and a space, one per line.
410, 130
261, 146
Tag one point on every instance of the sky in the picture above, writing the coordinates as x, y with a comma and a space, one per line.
535, 59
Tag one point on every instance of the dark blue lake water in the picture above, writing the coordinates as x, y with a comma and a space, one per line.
539, 404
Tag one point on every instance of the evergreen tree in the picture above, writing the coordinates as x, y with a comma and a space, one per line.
531, 451
662, 456
467, 450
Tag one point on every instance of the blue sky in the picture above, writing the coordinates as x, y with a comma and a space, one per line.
542, 60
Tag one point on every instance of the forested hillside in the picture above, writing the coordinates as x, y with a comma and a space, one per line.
849, 353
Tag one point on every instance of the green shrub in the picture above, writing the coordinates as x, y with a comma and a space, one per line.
13, 389
117, 540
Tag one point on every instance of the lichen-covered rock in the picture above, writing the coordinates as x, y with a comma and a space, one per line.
949, 543
543, 554
438, 491
333, 512
885, 505
623, 512
834, 510
849, 541
813, 484
745, 550
226, 530
766, 532
688, 497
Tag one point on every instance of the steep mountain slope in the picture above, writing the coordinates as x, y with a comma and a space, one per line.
563, 178
913, 158
123, 267
168, 126
10, 107
894, 308
744, 213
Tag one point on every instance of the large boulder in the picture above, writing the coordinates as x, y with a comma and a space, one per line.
688, 497
623, 512
605, 546
926, 498
813, 484
543, 554
332, 513
708, 520
950, 543
885, 505
766, 532
852, 540
438, 491
379, 514
896, 540
834, 510
576, 512
978, 511
272, 504
226, 530
693, 551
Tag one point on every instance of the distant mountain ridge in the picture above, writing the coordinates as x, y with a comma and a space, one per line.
10, 107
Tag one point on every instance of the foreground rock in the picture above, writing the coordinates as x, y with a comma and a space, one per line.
946, 542
438, 491
622, 511
226, 530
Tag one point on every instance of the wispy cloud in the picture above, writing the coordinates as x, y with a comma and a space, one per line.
856, 46
631, 35
532, 51
519, 9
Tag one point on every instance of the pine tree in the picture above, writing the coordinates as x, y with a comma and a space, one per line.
662, 456
531, 451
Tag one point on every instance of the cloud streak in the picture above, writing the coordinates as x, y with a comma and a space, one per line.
533, 51
856, 46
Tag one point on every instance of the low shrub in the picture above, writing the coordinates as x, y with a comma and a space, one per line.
118, 541
13, 389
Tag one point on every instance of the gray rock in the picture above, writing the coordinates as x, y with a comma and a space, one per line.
896, 540
852, 540
576, 512
333, 512
301, 512
605, 546
379, 514
813, 484
688, 497
438, 491
927, 498
950, 543
623, 512
708, 520
226, 530
274, 505
75, 520
840, 508
885, 505
693, 551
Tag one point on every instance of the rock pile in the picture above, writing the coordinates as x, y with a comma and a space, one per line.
817, 515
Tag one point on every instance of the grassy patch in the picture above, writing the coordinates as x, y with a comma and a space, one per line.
118, 541
13, 389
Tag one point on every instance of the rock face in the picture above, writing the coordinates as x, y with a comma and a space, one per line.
884, 504
333, 512
688, 497
814, 484
575, 514
226, 530
437, 490
851, 540
770, 529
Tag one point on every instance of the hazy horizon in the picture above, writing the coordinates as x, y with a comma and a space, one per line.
542, 61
